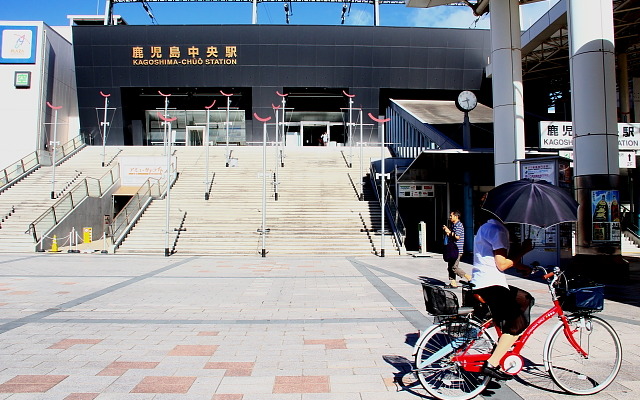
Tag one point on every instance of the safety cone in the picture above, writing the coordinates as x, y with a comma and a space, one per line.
54, 245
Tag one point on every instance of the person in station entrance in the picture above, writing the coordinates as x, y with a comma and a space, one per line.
456, 233
325, 138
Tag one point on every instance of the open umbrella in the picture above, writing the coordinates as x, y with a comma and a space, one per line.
531, 202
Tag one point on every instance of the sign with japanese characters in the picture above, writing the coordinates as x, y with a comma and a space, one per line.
559, 135
184, 55
416, 190
134, 171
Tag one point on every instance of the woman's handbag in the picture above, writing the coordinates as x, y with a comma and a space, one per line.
450, 252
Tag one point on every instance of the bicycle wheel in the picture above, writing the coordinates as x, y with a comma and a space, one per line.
574, 373
443, 378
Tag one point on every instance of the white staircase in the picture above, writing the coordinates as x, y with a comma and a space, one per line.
31, 197
317, 212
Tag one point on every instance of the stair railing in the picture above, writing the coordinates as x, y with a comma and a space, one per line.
33, 161
152, 188
391, 209
88, 187
19, 170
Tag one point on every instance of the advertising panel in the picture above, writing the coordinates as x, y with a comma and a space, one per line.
18, 44
605, 211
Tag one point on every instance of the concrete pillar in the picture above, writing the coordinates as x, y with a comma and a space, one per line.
594, 110
508, 108
623, 83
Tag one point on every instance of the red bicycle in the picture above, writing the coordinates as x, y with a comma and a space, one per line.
582, 353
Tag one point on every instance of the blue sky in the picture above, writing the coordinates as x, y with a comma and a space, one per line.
54, 12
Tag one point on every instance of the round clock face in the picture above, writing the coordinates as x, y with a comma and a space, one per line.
467, 101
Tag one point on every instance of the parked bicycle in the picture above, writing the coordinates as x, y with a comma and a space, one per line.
582, 353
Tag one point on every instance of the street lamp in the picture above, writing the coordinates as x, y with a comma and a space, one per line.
350, 96
104, 125
206, 169
263, 230
54, 143
166, 121
228, 96
284, 103
381, 122
276, 177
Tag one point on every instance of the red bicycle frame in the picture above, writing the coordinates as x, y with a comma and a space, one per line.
474, 362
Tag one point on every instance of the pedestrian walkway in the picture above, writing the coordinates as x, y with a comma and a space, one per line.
96, 326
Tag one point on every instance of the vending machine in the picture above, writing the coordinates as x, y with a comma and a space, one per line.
555, 244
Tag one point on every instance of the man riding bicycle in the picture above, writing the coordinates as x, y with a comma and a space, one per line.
490, 259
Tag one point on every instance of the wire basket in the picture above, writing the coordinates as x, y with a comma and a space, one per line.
582, 299
439, 301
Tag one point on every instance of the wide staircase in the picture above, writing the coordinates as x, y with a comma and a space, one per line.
31, 197
317, 211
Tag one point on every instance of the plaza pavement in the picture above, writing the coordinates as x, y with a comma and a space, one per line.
94, 326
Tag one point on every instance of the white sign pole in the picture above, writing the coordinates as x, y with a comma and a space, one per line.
263, 229
206, 156
167, 131
228, 155
381, 122
54, 143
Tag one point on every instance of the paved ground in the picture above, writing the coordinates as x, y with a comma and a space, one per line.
92, 326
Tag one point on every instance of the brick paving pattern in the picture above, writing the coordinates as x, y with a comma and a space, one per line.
206, 328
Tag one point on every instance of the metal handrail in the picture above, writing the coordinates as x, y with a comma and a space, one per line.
131, 212
33, 161
88, 187
397, 225
18, 170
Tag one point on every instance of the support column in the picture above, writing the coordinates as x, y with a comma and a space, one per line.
508, 108
594, 110
623, 83
254, 12
636, 99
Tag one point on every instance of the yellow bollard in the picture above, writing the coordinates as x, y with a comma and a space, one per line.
54, 245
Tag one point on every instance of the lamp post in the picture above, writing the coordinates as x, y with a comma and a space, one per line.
228, 96
54, 143
263, 229
284, 103
361, 161
206, 152
167, 131
104, 125
381, 122
350, 96
278, 160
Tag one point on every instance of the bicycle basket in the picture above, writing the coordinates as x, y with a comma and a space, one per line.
439, 301
587, 298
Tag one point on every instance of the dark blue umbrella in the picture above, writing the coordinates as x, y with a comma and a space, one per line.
531, 202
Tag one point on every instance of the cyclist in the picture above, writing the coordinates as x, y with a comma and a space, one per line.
490, 259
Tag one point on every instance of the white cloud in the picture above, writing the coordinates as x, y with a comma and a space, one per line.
359, 17
448, 17
462, 17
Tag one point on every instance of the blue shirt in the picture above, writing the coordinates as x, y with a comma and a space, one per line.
458, 230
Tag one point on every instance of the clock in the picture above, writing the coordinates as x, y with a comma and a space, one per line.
466, 101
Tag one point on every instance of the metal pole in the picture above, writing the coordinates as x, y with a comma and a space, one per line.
350, 96
227, 126
167, 131
263, 229
53, 144
206, 169
284, 103
381, 122
361, 161
277, 177
104, 126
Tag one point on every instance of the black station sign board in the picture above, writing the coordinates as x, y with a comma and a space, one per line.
184, 55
